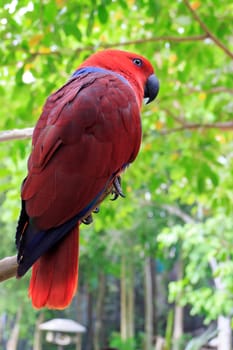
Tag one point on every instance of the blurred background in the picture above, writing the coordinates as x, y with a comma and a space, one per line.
156, 268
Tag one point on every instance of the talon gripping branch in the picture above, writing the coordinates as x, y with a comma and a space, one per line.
88, 132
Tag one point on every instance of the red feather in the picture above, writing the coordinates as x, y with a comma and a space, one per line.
54, 284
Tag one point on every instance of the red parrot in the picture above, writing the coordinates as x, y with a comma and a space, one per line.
88, 133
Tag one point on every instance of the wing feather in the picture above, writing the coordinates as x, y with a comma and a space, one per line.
88, 131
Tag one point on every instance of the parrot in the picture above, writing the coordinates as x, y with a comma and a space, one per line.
88, 133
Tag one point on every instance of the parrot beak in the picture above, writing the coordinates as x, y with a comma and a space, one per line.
151, 89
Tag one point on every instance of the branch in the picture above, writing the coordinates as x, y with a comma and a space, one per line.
179, 119
102, 45
155, 39
226, 126
19, 134
16, 134
214, 90
173, 210
207, 30
8, 267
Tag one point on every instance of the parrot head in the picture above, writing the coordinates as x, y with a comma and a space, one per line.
136, 69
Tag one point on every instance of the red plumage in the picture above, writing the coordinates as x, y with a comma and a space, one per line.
88, 132
55, 274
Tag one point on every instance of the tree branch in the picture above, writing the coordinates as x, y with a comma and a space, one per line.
158, 38
16, 134
225, 126
171, 38
173, 210
179, 119
19, 134
207, 30
184, 125
214, 90
8, 267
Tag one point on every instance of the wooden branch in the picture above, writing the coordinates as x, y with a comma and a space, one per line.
184, 125
153, 39
180, 119
214, 90
16, 134
170, 38
210, 35
8, 267
225, 126
173, 210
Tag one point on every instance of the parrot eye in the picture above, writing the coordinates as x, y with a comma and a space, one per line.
137, 61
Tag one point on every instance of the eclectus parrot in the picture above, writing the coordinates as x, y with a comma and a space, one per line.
88, 133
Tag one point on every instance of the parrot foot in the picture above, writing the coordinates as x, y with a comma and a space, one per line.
96, 210
89, 219
117, 190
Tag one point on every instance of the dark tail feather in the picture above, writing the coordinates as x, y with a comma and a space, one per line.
55, 274
22, 224
33, 243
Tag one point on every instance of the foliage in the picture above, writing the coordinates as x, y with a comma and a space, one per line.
207, 282
118, 343
186, 157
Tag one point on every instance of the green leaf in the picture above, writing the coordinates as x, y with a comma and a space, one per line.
102, 13
72, 29
19, 76
90, 23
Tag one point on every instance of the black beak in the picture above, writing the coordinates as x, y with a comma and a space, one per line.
152, 88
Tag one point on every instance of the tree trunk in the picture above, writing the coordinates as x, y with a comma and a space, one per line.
123, 300
224, 322
169, 329
1, 330
127, 299
89, 345
178, 322
79, 342
159, 345
130, 299
154, 294
178, 310
148, 306
37, 334
224, 333
150, 287
99, 311
14, 336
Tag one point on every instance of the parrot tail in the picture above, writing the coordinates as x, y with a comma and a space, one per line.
55, 274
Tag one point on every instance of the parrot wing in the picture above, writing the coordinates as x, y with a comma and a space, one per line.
88, 132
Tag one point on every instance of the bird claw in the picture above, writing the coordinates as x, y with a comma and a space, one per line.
117, 190
89, 219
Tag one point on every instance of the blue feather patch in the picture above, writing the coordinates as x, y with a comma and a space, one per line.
87, 70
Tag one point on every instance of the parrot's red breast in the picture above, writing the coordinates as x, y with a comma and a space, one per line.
88, 132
